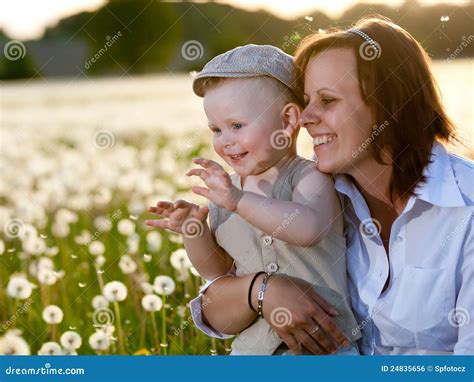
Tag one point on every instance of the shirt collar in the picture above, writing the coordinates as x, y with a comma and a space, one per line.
440, 188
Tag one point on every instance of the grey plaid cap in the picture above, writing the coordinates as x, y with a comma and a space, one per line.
250, 61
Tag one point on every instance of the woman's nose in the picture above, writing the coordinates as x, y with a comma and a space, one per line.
309, 117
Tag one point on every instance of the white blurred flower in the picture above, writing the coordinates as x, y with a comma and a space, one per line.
181, 310
179, 260
102, 224
71, 340
182, 276
2, 247
147, 288
47, 276
100, 260
152, 303
19, 288
99, 302
50, 348
153, 239
51, 251
35, 246
83, 238
115, 291
126, 227
175, 238
45, 263
108, 329
99, 341
133, 243
53, 314
60, 230
164, 285
96, 248
127, 264
12, 343
69, 352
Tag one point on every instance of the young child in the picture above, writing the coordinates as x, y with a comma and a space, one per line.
277, 213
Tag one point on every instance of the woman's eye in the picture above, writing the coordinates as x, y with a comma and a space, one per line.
237, 125
327, 100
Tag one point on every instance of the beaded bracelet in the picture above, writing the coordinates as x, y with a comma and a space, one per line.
261, 293
249, 297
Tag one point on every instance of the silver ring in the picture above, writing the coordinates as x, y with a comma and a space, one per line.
316, 328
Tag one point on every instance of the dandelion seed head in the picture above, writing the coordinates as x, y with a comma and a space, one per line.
52, 314
115, 291
71, 340
164, 285
50, 348
152, 303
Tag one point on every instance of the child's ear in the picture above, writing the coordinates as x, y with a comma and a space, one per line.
290, 116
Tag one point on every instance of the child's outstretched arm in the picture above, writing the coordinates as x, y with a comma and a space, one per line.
189, 220
304, 221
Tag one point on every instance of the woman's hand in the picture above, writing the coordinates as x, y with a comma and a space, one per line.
181, 216
221, 191
300, 316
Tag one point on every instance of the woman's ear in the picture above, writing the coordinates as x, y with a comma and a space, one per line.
290, 116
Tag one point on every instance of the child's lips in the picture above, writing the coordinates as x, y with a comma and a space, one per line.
237, 157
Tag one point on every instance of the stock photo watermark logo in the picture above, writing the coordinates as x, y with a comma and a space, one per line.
103, 317
368, 319
192, 50
104, 139
280, 317
466, 41
370, 227
286, 222
189, 320
18, 312
280, 140
186, 146
14, 228
109, 219
193, 228
376, 131
14, 50
110, 41
459, 317
370, 50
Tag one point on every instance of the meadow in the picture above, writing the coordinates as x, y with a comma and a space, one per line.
81, 162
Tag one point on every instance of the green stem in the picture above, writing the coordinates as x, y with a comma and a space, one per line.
119, 329
164, 344
155, 333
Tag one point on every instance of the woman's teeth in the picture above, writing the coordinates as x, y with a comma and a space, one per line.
323, 139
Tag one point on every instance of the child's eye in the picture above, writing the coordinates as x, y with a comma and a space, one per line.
237, 126
215, 130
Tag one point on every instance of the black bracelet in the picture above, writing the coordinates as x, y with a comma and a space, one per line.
249, 298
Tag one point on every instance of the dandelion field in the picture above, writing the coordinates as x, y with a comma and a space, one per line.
81, 161
80, 273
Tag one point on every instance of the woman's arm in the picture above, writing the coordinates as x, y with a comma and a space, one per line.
226, 310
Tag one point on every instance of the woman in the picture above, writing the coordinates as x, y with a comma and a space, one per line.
376, 119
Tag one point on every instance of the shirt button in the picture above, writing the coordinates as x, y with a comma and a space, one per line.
272, 267
399, 239
267, 241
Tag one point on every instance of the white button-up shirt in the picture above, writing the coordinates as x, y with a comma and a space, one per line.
428, 307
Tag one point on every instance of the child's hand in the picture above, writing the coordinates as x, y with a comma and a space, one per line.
221, 191
182, 217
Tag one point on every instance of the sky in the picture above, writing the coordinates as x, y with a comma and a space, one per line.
27, 19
